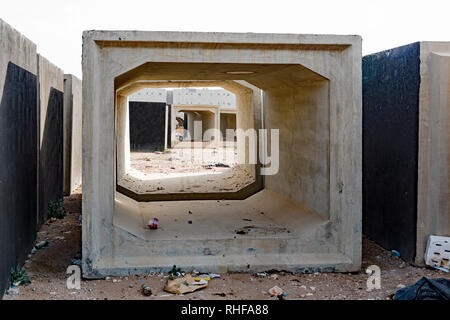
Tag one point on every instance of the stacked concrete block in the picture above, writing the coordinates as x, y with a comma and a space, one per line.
406, 138
72, 133
51, 103
18, 149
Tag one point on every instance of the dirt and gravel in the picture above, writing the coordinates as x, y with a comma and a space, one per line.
47, 270
186, 170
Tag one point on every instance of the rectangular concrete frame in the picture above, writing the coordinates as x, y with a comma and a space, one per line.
108, 54
72, 133
433, 194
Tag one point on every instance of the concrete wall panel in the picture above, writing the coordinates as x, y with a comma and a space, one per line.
51, 171
406, 146
72, 133
18, 149
391, 82
147, 126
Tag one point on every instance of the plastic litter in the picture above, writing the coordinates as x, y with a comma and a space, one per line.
425, 289
153, 223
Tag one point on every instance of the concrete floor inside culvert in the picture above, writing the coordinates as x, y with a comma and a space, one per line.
262, 230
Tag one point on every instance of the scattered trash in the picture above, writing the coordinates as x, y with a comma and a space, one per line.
425, 289
437, 254
76, 262
146, 290
274, 276
221, 294
33, 251
195, 272
184, 285
261, 274
13, 290
175, 272
275, 291
401, 286
41, 244
80, 218
200, 281
153, 223
442, 269
52, 219
116, 280
395, 253
217, 165
214, 276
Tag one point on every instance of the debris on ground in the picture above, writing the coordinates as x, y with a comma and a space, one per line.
395, 253
76, 262
184, 285
13, 290
146, 290
175, 272
220, 294
153, 223
437, 254
262, 274
276, 291
41, 244
425, 289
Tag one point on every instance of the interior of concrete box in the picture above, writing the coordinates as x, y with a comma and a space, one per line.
278, 213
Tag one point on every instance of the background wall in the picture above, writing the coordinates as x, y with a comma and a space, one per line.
18, 150
391, 82
147, 126
51, 101
72, 133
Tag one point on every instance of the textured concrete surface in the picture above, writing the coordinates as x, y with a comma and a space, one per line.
147, 126
433, 202
329, 65
72, 133
407, 164
18, 149
391, 83
51, 103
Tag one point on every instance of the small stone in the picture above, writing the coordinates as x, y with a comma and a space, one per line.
401, 286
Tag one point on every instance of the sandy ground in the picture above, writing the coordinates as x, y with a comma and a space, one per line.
47, 270
186, 170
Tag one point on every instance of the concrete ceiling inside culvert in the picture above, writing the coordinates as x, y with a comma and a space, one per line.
264, 76
229, 85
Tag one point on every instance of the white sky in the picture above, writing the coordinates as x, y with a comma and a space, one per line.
56, 25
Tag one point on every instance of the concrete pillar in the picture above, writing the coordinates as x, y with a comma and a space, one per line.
123, 136
72, 133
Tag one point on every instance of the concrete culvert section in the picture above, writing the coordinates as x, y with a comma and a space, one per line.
202, 165
302, 212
